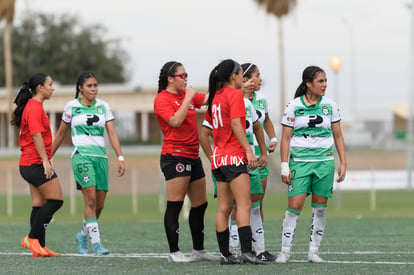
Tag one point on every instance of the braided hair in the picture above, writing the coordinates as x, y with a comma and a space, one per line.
169, 69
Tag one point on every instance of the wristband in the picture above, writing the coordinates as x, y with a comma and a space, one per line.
284, 169
273, 139
121, 158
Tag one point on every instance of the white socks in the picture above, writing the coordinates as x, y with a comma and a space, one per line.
256, 224
288, 228
318, 226
93, 232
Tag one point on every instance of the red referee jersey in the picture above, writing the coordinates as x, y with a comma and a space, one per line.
34, 120
182, 141
227, 104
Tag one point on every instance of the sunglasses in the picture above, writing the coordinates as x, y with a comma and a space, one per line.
183, 76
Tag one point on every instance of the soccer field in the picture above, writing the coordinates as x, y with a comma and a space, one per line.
358, 240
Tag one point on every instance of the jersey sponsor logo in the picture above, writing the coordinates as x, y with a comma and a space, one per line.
91, 119
259, 114
179, 167
219, 161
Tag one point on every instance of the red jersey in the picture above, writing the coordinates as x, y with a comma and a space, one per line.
34, 120
227, 104
182, 141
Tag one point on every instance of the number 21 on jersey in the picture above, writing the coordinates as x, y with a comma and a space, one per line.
216, 116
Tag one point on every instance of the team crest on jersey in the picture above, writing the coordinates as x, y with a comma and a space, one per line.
191, 106
248, 114
179, 167
261, 104
99, 109
85, 178
325, 110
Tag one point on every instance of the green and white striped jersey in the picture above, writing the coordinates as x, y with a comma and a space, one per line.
260, 104
88, 126
312, 133
251, 117
261, 108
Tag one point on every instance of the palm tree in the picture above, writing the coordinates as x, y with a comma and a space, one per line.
7, 12
279, 8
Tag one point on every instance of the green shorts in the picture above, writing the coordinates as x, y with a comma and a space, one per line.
255, 183
312, 177
264, 173
90, 171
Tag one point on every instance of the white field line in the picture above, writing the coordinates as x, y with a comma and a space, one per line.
164, 255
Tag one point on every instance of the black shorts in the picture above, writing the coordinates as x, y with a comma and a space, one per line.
229, 172
174, 167
35, 174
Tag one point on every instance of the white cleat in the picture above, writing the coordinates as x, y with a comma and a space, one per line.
204, 255
283, 256
313, 257
178, 257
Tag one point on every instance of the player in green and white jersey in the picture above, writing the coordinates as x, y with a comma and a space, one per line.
311, 131
251, 73
252, 129
88, 117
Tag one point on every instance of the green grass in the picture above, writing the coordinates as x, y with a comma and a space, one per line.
358, 240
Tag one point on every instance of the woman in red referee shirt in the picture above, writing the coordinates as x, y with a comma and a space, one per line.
174, 107
35, 140
232, 157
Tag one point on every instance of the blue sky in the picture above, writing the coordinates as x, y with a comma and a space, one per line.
201, 33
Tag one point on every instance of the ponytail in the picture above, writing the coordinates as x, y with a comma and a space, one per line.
219, 76
308, 75
81, 79
26, 92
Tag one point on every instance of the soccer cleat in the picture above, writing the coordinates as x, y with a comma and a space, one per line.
82, 242
266, 257
99, 249
250, 257
178, 257
51, 253
283, 256
204, 255
33, 245
234, 250
35, 255
231, 259
313, 257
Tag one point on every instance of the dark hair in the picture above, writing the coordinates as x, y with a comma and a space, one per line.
169, 69
219, 76
27, 91
81, 79
308, 75
248, 69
